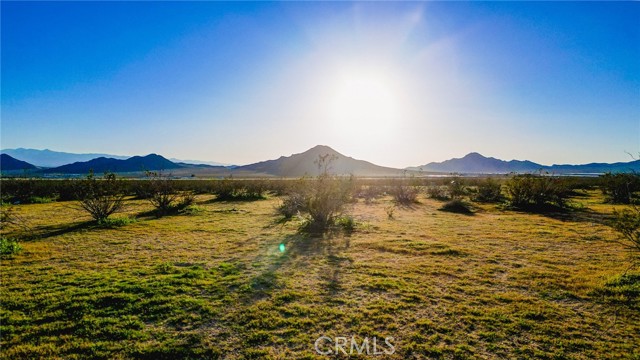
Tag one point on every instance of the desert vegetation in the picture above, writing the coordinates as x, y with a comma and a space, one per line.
256, 269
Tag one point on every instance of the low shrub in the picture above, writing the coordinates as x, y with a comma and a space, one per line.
100, 197
457, 206
369, 193
320, 201
9, 246
537, 191
191, 210
488, 191
627, 224
111, 223
437, 192
347, 223
404, 191
456, 188
620, 188
291, 205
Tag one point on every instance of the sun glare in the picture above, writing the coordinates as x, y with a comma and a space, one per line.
364, 102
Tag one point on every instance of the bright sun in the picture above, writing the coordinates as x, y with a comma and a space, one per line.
364, 103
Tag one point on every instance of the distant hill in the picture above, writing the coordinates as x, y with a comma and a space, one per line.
50, 158
9, 163
595, 168
103, 164
199, 162
474, 163
302, 164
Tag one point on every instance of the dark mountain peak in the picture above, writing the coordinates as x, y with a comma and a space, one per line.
151, 156
305, 164
474, 155
7, 162
105, 164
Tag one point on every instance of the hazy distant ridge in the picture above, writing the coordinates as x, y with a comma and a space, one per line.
474, 163
50, 158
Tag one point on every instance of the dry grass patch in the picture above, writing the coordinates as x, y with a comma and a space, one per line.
229, 282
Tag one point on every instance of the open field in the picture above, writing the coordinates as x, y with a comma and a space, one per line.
231, 282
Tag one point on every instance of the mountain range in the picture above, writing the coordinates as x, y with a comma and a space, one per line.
301, 164
104, 164
474, 163
50, 158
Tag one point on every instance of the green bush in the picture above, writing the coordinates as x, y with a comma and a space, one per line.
456, 187
239, 190
488, 191
620, 188
115, 222
9, 246
42, 199
347, 223
191, 210
627, 224
536, 191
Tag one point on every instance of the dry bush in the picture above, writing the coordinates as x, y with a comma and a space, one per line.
100, 197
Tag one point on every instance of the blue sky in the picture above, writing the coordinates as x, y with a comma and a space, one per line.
398, 84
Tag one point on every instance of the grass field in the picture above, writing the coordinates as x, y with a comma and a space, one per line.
230, 281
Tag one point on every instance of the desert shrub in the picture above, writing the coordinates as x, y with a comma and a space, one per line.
404, 191
161, 192
437, 192
457, 206
536, 191
390, 211
233, 190
186, 199
165, 194
347, 223
191, 210
9, 246
42, 199
292, 204
13, 222
456, 188
27, 191
7, 216
627, 224
620, 188
100, 197
369, 193
320, 200
488, 191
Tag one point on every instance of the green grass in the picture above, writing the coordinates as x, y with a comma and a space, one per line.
499, 284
